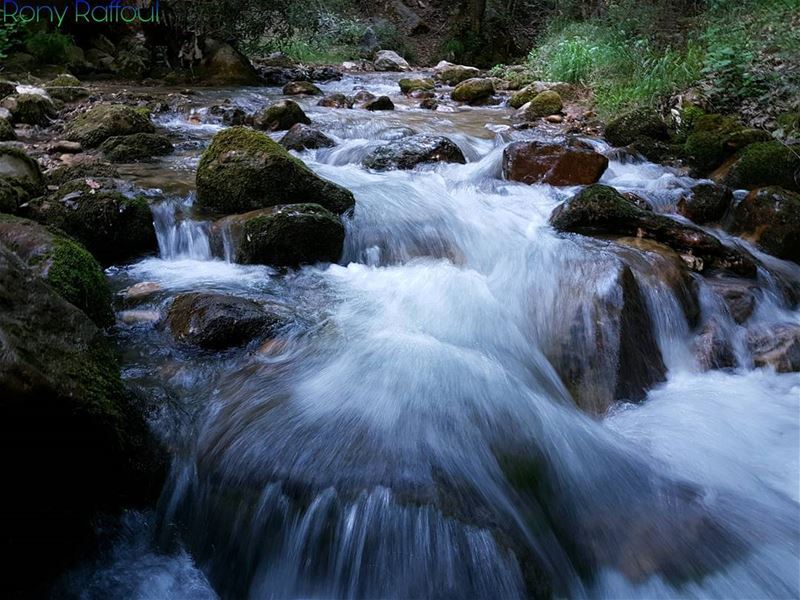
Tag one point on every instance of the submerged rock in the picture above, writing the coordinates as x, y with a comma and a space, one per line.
281, 116
103, 121
738, 295
712, 348
388, 60
408, 152
770, 217
300, 88
336, 101
136, 147
571, 163
217, 321
473, 91
302, 137
244, 170
379, 103
706, 203
776, 346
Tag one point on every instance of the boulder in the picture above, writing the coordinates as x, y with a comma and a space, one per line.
429, 103
81, 169
20, 179
712, 348
714, 138
336, 101
387, 60
776, 346
7, 89
61, 262
770, 217
136, 147
103, 121
453, 74
302, 137
224, 65
67, 424
362, 96
300, 88
408, 152
379, 103
543, 104
473, 91
530, 91
218, 321
289, 236
599, 209
67, 93
7, 133
706, 203
64, 80
281, 116
30, 109
409, 85
738, 295
764, 164
635, 124
243, 170
572, 163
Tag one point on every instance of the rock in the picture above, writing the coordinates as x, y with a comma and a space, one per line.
712, 349
599, 209
298, 88
278, 59
543, 104
408, 85
67, 424
554, 119
713, 138
770, 217
452, 74
362, 96
408, 152
368, 44
136, 147
112, 226
138, 317
103, 121
31, 109
765, 164
776, 346
290, 236
65, 80
224, 65
302, 137
473, 91
529, 92
336, 101
572, 163
7, 133
140, 292
706, 203
82, 169
243, 170
64, 147
281, 116
387, 60
67, 93
7, 89
429, 103
411, 21
20, 179
379, 103
64, 264
217, 321
632, 125
738, 295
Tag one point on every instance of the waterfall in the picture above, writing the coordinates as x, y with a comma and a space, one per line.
180, 237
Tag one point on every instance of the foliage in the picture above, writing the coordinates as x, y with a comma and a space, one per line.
48, 47
8, 34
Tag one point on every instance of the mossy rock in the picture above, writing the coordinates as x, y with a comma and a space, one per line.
713, 138
292, 235
706, 203
408, 85
244, 170
301, 88
7, 133
635, 124
136, 147
33, 109
103, 121
521, 97
21, 171
771, 218
6, 89
473, 90
63, 263
12, 196
544, 104
67, 93
64, 80
92, 169
454, 74
281, 116
765, 164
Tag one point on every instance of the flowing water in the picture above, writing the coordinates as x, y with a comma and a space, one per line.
406, 436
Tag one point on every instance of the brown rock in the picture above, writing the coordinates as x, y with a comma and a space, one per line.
572, 163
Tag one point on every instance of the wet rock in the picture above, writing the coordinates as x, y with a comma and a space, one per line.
67, 93
409, 85
599, 209
572, 163
429, 103
7, 133
243, 170
453, 74
300, 88
64, 80
737, 294
82, 169
138, 317
140, 292
7, 89
103, 121
543, 104
336, 101
362, 96
776, 346
224, 65
630, 126
281, 116
288, 236
408, 152
20, 179
714, 138
770, 217
302, 137
64, 147
30, 109
530, 91
217, 321
706, 203
712, 348
473, 91
387, 60
379, 103
61, 262
136, 147
69, 425
764, 164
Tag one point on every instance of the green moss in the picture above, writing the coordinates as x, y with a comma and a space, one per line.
67, 93
522, 96
27, 174
473, 90
103, 121
82, 171
764, 164
281, 116
705, 149
135, 147
635, 124
597, 205
33, 109
7, 133
544, 104
408, 85
65, 80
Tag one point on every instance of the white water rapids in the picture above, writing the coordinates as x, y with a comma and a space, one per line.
409, 438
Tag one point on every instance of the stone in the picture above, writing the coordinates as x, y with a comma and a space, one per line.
302, 137
776, 346
7, 133
764, 164
770, 218
281, 116
388, 60
224, 65
31, 109
453, 74
300, 88
738, 295
572, 163
336, 101
543, 104
635, 124
103, 121
473, 91
379, 103
413, 150
712, 349
706, 203
409, 85
67, 93
20, 179
136, 147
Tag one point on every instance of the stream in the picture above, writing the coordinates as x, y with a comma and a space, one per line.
405, 435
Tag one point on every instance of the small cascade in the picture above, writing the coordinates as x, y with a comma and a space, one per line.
180, 237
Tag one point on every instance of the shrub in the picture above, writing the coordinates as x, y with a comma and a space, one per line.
48, 47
